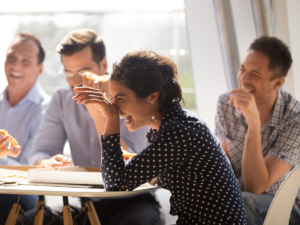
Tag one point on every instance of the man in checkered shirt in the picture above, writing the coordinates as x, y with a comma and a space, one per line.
259, 127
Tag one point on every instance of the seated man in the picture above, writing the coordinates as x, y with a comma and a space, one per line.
22, 106
259, 127
81, 51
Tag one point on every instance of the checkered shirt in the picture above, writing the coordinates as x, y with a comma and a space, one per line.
280, 136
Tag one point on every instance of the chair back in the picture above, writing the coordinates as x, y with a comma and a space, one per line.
281, 207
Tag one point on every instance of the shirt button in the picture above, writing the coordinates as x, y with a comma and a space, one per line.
92, 139
93, 162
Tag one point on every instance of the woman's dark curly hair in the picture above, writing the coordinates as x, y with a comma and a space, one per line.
145, 72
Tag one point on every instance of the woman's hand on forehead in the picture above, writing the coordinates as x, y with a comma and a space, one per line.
88, 95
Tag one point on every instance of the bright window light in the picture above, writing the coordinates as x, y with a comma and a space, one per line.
96, 6
173, 51
181, 52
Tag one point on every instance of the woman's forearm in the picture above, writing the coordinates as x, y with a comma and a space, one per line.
112, 125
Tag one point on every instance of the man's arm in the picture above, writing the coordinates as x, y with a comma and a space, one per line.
221, 128
259, 172
251, 167
49, 141
9, 162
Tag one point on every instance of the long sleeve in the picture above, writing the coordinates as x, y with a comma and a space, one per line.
188, 160
167, 150
51, 136
10, 162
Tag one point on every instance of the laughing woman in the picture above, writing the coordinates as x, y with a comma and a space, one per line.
183, 153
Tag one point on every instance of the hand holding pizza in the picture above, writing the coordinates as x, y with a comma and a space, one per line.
8, 145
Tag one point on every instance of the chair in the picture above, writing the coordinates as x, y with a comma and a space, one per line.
282, 204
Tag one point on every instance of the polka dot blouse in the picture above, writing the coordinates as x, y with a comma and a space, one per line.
189, 161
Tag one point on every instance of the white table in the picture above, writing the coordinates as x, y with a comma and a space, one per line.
64, 191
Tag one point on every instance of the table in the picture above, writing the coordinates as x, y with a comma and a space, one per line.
65, 192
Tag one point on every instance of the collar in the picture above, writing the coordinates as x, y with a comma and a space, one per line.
34, 95
171, 114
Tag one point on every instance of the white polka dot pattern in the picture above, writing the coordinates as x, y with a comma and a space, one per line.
189, 161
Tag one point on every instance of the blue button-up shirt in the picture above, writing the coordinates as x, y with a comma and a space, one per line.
22, 120
66, 120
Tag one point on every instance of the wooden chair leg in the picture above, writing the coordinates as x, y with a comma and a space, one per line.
94, 220
67, 214
39, 217
13, 214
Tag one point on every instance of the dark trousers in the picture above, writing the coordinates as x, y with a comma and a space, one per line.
138, 210
27, 203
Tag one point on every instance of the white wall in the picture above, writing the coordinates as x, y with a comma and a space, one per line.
206, 58
293, 9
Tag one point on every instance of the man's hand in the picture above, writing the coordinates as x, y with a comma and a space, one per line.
55, 161
8, 152
243, 100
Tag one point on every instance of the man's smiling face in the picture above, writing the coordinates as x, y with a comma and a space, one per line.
255, 75
21, 64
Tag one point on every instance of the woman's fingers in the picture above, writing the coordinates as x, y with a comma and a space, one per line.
95, 101
94, 91
83, 89
86, 94
90, 97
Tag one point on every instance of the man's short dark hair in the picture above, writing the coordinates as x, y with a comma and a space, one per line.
30, 37
278, 53
77, 40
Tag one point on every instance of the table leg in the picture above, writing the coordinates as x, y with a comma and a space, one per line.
67, 215
94, 220
13, 214
39, 217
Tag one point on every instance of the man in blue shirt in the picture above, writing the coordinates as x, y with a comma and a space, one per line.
81, 51
22, 106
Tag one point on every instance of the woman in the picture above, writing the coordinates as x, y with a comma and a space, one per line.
183, 153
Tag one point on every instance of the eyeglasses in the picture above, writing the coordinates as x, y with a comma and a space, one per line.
69, 75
